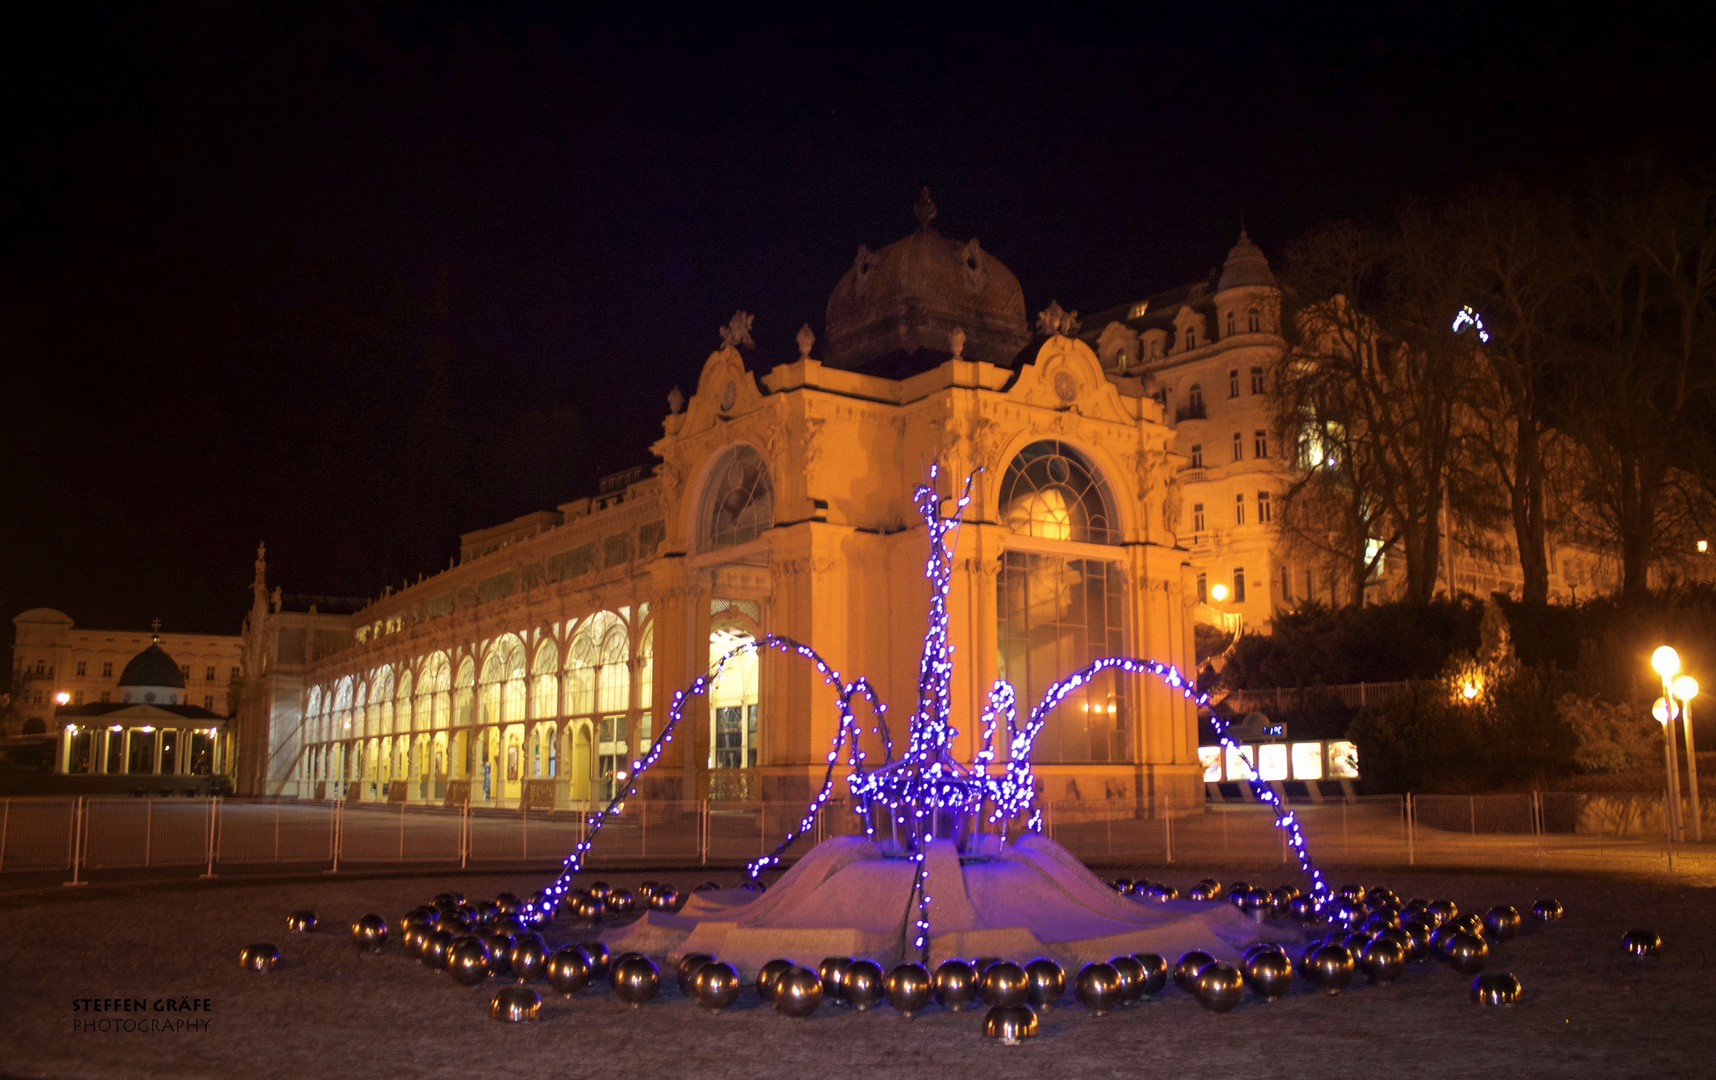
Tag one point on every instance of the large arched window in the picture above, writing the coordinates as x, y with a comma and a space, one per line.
598, 692
1050, 490
402, 700
545, 682
342, 717
381, 703
741, 501
1058, 612
464, 695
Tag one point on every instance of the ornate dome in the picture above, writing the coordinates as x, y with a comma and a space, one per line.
152, 668
912, 295
1245, 266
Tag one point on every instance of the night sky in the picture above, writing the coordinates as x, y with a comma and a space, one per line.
355, 282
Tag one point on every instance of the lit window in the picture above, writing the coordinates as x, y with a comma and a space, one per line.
1197, 455
1239, 509
1272, 761
1051, 491
1241, 761
1260, 443
1197, 517
1256, 378
1233, 383
741, 499
1308, 761
1238, 446
1265, 511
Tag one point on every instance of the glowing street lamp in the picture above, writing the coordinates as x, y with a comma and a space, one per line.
1218, 592
62, 698
1667, 664
1686, 688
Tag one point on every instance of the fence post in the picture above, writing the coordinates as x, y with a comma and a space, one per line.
334, 827
1168, 830
524, 834
5, 820
703, 833
214, 802
464, 832
643, 829
1411, 856
1472, 809
1537, 824
276, 828
1667, 825
1224, 851
1346, 850
148, 828
78, 825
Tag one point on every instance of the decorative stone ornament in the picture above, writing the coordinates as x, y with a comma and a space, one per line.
806, 337
737, 333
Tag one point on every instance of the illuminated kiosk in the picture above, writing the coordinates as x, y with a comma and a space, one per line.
935, 874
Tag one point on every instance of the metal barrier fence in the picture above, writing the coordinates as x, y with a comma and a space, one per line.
1550, 830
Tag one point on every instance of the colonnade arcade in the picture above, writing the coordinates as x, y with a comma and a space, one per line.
546, 717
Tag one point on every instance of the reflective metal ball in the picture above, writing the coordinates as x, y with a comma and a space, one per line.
620, 902
568, 970
1419, 932
1186, 971
716, 985
516, 1004
707, 886
798, 991
1347, 913
1048, 983
665, 898
832, 970
420, 916
508, 903
1352, 892
436, 946
1495, 988
1382, 960
369, 932
587, 908
1006, 986
457, 899
1098, 987
1441, 910
908, 987
636, 980
412, 943
1468, 923
468, 960
1302, 908
259, 957
1642, 943
767, 976
1131, 976
1120, 884
1502, 922
686, 970
529, 957
863, 984
1466, 953
1269, 973
1331, 967
1010, 1024
1219, 987
600, 959
1164, 892
1155, 972
1546, 910
510, 924
955, 984
301, 922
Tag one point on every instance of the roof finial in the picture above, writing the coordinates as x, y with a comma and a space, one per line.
155, 628
924, 209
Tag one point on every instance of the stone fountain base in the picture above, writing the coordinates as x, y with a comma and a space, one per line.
846, 898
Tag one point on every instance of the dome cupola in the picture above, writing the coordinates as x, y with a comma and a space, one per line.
1246, 266
152, 677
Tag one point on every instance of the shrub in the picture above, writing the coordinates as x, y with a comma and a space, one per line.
1610, 738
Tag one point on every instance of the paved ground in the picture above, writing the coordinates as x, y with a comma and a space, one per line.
1588, 1009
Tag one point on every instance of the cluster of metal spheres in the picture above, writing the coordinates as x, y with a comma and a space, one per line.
599, 899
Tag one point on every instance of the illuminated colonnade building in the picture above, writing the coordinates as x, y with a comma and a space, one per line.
539, 666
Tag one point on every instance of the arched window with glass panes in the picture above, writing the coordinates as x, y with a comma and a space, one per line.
1061, 601
740, 504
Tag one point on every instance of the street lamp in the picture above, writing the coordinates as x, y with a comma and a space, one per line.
1218, 592
1686, 688
1667, 664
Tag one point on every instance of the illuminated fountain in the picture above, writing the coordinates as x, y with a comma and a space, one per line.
935, 873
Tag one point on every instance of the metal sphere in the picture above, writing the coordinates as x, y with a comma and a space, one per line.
1131, 977
420, 916
500, 952
1120, 884
1348, 913
529, 957
587, 908
1380, 920
1466, 953
1155, 972
509, 903
1441, 910
457, 899
687, 970
1269, 973
412, 943
767, 976
908, 988
568, 970
1203, 892
1302, 908
1186, 971
636, 980
980, 965
259, 957
832, 971
468, 960
369, 932
1331, 967
1219, 987
664, 898
515, 1004
1354, 942
1006, 986
716, 985
955, 984
1439, 939
1418, 933
707, 886
1496, 988
455, 924
1546, 910
620, 902
510, 924
1502, 922
301, 922
485, 910
1382, 960
1141, 888
1468, 923
600, 959
1010, 1024
1098, 987
437, 944
798, 991
1048, 983
863, 984
1164, 892
1642, 943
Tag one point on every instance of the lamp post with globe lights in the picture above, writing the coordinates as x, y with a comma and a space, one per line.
1685, 689
1667, 664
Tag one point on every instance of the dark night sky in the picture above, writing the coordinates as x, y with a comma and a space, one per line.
355, 282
